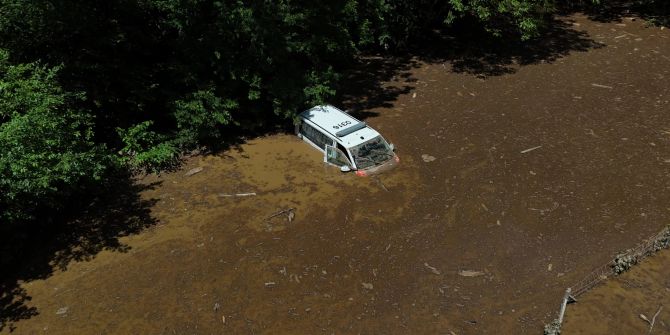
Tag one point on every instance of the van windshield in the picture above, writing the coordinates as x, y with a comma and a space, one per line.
371, 153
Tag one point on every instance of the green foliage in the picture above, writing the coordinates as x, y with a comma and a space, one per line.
200, 115
526, 16
46, 147
320, 86
656, 12
155, 158
27, 87
164, 76
144, 149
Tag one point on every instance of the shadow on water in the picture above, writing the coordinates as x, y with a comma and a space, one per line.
364, 88
34, 251
466, 49
654, 12
483, 55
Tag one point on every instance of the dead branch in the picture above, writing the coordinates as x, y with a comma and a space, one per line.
285, 211
653, 320
224, 195
530, 149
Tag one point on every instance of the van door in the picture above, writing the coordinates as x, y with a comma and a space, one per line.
335, 156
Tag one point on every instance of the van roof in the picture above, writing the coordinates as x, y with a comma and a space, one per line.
329, 118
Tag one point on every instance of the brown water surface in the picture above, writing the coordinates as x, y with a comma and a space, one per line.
540, 174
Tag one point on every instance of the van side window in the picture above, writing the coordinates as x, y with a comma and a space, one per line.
314, 135
344, 151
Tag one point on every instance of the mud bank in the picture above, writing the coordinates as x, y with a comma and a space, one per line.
616, 306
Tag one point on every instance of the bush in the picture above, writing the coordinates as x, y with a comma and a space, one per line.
47, 151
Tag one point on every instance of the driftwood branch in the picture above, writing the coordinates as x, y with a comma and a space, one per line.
531, 149
224, 195
285, 211
602, 86
653, 320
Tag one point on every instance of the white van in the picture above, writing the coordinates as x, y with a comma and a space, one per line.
345, 141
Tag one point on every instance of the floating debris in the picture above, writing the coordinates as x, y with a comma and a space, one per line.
530, 149
224, 195
602, 86
432, 269
470, 273
193, 171
427, 158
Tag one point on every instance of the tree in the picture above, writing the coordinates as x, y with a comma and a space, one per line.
46, 146
162, 77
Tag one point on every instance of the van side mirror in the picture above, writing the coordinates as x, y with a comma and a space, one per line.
345, 168
392, 147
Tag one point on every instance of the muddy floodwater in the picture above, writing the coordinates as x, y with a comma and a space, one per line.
515, 181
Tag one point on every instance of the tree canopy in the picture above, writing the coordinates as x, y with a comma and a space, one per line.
47, 149
87, 87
